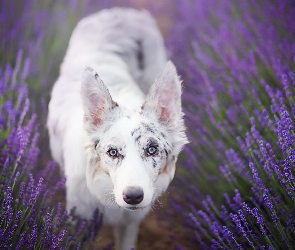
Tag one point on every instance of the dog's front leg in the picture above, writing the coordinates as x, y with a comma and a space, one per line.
126, 236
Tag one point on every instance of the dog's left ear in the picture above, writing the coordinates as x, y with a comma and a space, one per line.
96, 98
164, 97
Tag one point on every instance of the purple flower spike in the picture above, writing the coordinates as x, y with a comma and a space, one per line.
25, 221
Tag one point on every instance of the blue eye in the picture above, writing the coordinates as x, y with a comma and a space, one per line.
151, 150
112, 152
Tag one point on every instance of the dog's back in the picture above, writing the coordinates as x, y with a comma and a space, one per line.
129, 33
124, 46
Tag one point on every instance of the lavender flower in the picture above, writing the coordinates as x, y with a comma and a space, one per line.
28, 219
237, 62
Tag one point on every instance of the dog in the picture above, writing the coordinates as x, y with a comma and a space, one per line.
115, 119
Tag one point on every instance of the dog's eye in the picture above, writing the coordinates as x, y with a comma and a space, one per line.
112, 152
151, 150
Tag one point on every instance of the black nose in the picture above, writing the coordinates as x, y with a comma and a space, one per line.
133, 195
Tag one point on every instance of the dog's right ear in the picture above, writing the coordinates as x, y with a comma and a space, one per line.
96, 99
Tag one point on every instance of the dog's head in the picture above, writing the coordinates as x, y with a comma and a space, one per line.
132, 154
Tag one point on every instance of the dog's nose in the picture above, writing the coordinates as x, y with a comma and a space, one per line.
133, 195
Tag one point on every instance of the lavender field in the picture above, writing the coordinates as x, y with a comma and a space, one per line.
234, 187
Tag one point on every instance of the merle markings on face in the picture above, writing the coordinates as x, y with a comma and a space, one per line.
133, 157
135, 150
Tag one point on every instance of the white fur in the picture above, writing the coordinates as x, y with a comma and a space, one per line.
91, 113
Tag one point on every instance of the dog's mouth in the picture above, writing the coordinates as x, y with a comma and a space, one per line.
134, 208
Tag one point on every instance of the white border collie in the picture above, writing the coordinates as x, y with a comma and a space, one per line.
116, 133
